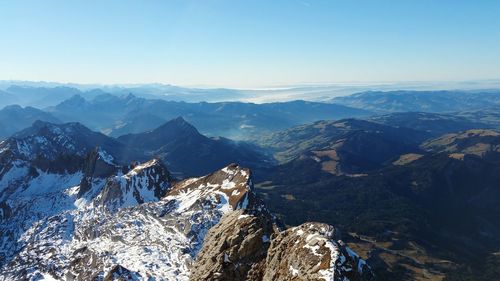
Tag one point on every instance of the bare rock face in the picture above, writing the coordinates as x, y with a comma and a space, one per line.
250, 247
311, 251
247, 244
98, 164
235, 248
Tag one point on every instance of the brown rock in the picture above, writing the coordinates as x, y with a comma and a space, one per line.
311, 251
235, 248
238, 249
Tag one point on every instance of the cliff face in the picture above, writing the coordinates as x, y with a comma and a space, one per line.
312, 251
250, 247
235, 248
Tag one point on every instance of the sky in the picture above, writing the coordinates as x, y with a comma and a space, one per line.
251, 43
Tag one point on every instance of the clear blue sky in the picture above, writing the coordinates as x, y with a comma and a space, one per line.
249, 43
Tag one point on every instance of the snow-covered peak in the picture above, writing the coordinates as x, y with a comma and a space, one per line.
137, 225
48, 141
145, 182
231, 186
43, 139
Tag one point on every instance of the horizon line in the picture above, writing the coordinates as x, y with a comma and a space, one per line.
277, 86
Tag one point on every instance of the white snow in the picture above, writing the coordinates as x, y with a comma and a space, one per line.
137, 186
47, 277
72, 190
41, 140
293, 271
243, 173
159, 238
228, 171
18, 171
3, 147
226, 184
313, 245
106, 157
48, 183
329, 274
185, 199
223, 205
243, 205
140, 167
314, 249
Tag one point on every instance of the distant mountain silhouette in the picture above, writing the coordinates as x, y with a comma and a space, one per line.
185, 150
434, 124
422, 101
14, 118
118, 115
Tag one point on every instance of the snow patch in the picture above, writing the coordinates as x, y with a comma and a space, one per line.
226, 184
293, 271
243, 216
104, 156
228, 171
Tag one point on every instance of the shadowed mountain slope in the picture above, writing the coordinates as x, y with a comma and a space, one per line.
426, 216
14, 118
185, 150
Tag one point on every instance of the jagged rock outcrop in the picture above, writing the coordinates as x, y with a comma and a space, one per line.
79, 240
46, 150
145, 182
312, 251
233, 183
235, 248
247, 244
251, 248
98, 164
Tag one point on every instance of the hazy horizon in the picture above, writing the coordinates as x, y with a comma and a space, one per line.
309, 92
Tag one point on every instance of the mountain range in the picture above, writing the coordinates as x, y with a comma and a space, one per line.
177, 143
119, 186
123, 113
424, 101
130, 114
98, 220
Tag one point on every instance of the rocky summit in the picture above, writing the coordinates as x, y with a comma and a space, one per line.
101, 220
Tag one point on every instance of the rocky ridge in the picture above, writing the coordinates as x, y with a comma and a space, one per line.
100, 220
